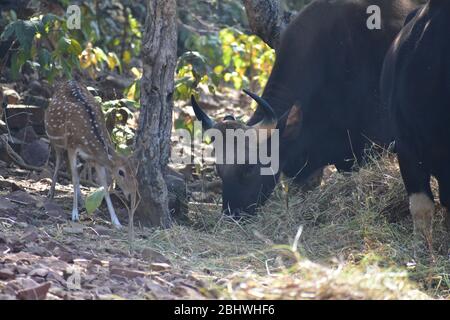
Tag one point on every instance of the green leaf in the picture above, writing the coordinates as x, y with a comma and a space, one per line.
100, 54
63, 45
18, 59
94, 200
75, 47
49, 19
9, 30
197, 61
45, 57
24, 32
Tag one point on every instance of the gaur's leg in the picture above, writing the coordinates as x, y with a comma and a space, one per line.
416, 177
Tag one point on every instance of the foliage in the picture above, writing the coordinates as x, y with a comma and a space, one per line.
249, 57
94, 200
46, 43
133, 92
111, 26
230, 57
33, 35
117, 113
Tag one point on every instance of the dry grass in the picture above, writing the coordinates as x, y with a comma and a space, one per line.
349, 239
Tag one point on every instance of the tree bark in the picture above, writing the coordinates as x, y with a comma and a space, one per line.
267, 19
159, 49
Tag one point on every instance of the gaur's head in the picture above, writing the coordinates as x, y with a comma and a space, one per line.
244, 186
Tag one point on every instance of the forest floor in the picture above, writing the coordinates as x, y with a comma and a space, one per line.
350, 238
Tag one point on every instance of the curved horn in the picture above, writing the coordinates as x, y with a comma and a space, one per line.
270, 118
207, 122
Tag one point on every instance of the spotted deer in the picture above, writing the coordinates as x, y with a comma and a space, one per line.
74, 122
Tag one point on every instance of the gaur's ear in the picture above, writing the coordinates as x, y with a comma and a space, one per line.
291, 122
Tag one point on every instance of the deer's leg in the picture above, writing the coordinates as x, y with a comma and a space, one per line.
80, 197
101, 173
90, 177
58, 154
76, 183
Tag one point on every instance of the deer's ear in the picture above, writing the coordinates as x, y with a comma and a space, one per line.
291, 122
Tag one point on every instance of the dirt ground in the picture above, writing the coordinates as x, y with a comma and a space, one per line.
43, 254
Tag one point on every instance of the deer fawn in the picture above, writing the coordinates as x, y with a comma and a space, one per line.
74, 122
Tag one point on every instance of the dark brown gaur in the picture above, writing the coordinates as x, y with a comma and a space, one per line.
415, 88
329, 69
236, 204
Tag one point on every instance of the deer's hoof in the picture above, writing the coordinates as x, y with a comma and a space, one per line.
117, 225
75, 215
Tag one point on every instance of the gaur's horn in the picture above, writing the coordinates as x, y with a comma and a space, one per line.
207, 122
270, 118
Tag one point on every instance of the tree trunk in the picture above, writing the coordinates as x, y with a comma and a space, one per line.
159, 49
267, 19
